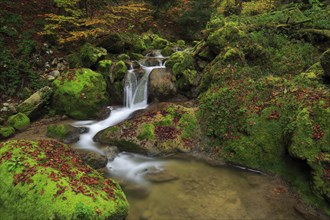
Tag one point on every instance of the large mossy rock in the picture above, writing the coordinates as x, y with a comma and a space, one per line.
32, 106
19, 121
80, 93
165, 129
46, 180
161, 87
183, 68
258, 124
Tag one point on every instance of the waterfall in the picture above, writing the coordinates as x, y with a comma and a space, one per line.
135, 98
136, 91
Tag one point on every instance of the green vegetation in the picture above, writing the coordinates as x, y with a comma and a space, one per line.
19, 121
80, 93
45, 180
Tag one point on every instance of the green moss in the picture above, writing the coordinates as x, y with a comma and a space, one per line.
35, 187
123, 56
159, 43
6, 132
80, 93
103, 67
87, 56
188, 122
19, 121
147, 133
119, 70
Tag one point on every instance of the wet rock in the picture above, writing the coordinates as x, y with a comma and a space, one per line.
64, 133
83, 130
161, 86
104, 113
151, 61
93, 159
111, 152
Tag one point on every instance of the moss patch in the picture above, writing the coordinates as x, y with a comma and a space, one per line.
172, 129
19, 121
80, 93
45, 180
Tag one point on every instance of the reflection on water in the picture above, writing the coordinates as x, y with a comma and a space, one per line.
199, 191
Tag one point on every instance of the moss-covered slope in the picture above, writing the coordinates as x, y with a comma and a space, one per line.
45, 180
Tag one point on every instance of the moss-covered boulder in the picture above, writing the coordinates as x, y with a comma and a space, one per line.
6, 132
80, 93
87, 56
121, 42
104, 67
32, 107
19, 121
46, 180
165, 129
183, 68
275, 125
119, 71
64, 133
325, 63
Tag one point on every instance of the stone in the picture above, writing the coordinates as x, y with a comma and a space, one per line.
151, 61
6, 132
161, 87
80, 94
93, 159
32, 106
19, 121
64, 133
55, 183
159, 176
110, 152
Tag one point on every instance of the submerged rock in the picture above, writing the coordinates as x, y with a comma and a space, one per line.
55, 184
156, 175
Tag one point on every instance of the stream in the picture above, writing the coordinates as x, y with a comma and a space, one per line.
176, 188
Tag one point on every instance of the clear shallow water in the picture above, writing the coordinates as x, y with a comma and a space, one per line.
200, 191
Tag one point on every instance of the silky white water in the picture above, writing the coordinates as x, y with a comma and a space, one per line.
135, 98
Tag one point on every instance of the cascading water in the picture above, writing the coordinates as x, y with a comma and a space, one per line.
135, 98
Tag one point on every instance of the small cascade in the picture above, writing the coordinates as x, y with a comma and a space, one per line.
136, 91
135, 98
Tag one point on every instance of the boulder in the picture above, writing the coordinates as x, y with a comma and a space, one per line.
161, 87
110, 152
160, 130
119, 71
6, 132
80, 93
32, 106
104, 67
87, 56
19, 121
93, 159
55, 184
64, 133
